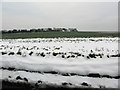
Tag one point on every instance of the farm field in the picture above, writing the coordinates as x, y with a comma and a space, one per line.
58, 34
61, 62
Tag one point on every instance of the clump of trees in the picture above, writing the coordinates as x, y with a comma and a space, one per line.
41, 30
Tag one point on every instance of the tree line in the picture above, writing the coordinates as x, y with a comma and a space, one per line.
40, 30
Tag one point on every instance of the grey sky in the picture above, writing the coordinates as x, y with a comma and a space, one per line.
96, 16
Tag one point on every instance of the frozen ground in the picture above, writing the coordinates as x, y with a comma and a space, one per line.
71, 62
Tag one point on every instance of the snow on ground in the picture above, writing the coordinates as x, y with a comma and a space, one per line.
76, 81
73, 56
83, 67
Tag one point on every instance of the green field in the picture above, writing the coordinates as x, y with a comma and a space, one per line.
57, 34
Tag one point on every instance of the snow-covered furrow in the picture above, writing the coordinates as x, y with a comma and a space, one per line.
94, 75
71, 81
82, 67
106, 46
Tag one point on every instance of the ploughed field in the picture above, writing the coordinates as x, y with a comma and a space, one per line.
61, 62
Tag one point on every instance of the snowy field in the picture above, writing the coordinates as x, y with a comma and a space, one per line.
67, 62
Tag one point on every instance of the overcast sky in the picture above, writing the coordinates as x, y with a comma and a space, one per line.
85, 16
